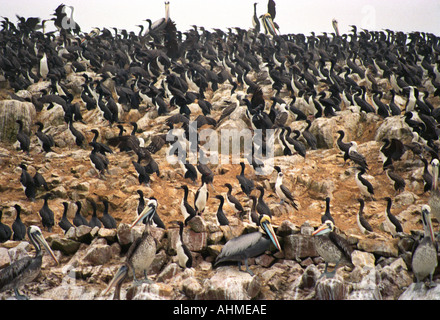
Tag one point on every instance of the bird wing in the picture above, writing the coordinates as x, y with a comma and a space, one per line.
342, 244
10, 275
238, 244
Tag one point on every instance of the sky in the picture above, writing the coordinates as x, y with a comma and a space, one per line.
292, 16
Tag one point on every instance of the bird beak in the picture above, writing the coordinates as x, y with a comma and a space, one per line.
428, 222
43, 241
321, 230
271, 233
119, 276
145, 213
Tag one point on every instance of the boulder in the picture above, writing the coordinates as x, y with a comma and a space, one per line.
228, 283
12, 110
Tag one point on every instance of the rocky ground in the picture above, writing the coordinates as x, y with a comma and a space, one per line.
89, 257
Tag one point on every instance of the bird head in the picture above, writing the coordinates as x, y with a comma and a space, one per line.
427, 224
147, 213
35, 236
266, 225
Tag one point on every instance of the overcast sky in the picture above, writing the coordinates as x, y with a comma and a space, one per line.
293, 16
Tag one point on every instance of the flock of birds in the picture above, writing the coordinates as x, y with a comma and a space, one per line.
164, 69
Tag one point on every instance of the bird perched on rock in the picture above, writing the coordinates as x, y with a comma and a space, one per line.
246, 184
46, 214
5, 230
262, 207
221, 217
30, 184
183, 253
188, 212
18, 227
357, 157
201, 197
365, 187
107, 220
98, 161
327, 214
424, 254
332, 247
79, 220
362, 223
281, 190
94, 220
233, 202
64, 223
46, 140
392, 224
23, 138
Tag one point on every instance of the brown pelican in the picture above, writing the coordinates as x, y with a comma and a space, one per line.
140, 255
143, 250
249, 245
331, 247
26, 269
424, 254
434, 197
117, 281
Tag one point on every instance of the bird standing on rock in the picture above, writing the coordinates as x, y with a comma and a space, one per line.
46, 214
23, 138
233, 202
26, 269
392, 224
424, 254
249, 245
362, 223
281, 190
246, 184
79, 220
64, 223
18, 227
107, 220
365, 187
331, 247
